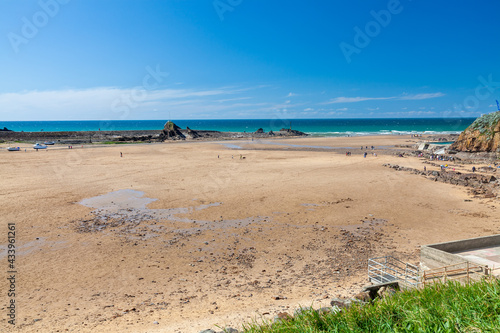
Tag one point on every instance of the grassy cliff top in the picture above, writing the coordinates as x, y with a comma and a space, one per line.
439, 308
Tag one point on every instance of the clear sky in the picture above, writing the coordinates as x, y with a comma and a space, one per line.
227, 59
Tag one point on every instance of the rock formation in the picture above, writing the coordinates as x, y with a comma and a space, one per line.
291, 132
483, 135
171, 132
191, 134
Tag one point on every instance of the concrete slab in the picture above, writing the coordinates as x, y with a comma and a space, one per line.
484, 256
480, 250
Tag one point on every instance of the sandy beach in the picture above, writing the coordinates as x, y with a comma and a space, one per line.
186, 236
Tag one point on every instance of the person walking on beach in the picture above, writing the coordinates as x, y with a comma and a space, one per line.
121, 155
364, 155
473, 169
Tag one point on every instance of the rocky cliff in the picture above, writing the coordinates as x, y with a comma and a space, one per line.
483, 135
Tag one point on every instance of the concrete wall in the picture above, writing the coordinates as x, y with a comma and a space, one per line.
442, 254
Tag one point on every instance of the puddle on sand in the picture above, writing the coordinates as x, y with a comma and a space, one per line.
38, 244
131, 203
128, 208
114, 201
231, 146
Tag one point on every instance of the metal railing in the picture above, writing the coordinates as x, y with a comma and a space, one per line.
389, 269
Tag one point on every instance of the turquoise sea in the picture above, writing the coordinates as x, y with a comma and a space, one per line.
316, 127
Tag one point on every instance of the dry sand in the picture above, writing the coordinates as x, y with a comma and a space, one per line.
225, 235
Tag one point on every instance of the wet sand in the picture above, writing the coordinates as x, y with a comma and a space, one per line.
190, 235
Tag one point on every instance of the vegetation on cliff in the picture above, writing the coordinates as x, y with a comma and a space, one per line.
486, 123
483, 135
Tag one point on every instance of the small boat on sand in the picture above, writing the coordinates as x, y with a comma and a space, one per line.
13, 149
49, 143
39, 146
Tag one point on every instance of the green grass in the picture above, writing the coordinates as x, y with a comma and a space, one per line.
438, 308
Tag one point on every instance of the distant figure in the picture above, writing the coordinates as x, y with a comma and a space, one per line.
121, 155
361, 147
364, 155
473, 169
232, 156
217, 156
425, 168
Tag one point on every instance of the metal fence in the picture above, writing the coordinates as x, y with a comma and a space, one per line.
389, 269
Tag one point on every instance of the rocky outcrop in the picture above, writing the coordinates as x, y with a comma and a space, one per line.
5, 129
484, 185
291, 132
483, 135
190, 134
171, 132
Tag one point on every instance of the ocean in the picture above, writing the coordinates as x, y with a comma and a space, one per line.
315, 127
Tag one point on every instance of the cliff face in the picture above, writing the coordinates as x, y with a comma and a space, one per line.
483, 135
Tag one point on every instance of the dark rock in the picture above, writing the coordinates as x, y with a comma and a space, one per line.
363, 296
282, 316
341, 303
291, 132
279, 297
229, 330
191, 134
325, 310
260, 131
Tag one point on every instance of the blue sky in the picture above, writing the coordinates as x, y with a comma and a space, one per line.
228, 59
